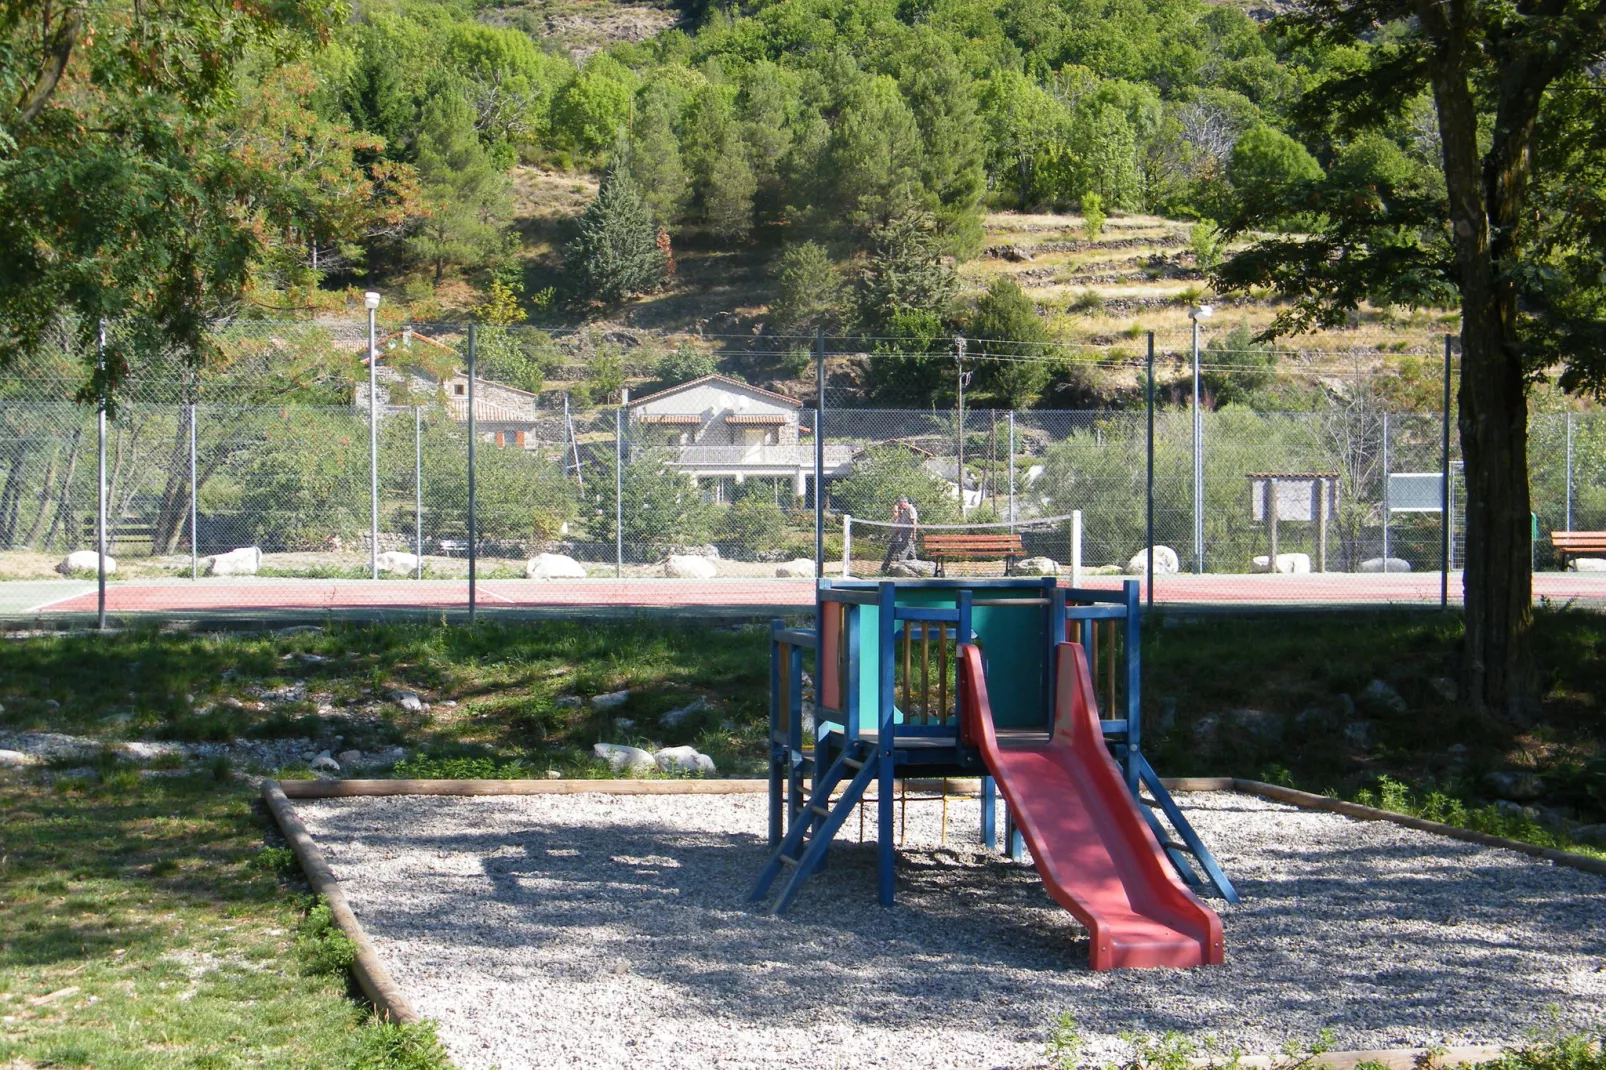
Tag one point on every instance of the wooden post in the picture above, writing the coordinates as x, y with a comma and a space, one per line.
1322, 490
1271, 524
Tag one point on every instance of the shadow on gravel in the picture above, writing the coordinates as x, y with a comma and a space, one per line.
1369, 940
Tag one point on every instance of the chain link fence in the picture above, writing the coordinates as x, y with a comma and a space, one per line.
286, 475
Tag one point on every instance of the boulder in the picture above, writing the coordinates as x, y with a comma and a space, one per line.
1166, 562
243, 561
349, 757
567, 702
1037, 566
16, 759
85, 561
912, 569
611, 700
687, 567
1378, 695
799, 568
1204, 729
1378, 564
623, 759
1577, 564
1590, 834
407, 700
683, 760
1361, 735
1515, 784
675, 716
398, 563
553, 567
1287, 564
1444, 687
323, 763
1314, 719
1262, 724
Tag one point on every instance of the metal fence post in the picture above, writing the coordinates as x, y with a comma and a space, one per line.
619, 488
1444, 488
418, 488
100, 482
473, 435
1385, 493
1012, 467
819, 453
1198, 462
1569, 471
959, 437
195, 564
373, 441
1148, 503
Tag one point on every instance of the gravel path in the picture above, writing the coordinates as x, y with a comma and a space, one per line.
603, 931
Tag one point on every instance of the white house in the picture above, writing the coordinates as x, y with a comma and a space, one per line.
415, 369
721, 428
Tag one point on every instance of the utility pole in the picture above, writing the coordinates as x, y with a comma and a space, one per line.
964, 378
1201, 312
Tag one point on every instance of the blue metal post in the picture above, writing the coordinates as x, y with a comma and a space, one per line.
989, 813
794, 735
885, 694
776, 756
1134, 682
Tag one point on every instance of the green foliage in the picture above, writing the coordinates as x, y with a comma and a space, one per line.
321, 946
1093, 215
1012, 342
303, 489
1208, 244
652, 156
275, 860
1237, 369
452, 767
469, 198
681, 365
882, 474
593, 108
1266, 164
661, 506
393, 1046
906, 274
519, 358
752, 525
1064, 1042
810, 291
616, 254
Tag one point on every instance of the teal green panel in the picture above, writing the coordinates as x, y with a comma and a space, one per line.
1012, 641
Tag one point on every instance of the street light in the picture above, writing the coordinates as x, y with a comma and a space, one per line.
1197, 313
370, 301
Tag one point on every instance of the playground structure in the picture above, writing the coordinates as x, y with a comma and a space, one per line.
1002, 680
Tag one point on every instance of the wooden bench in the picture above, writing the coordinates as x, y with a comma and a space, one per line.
1578, 544
944, 548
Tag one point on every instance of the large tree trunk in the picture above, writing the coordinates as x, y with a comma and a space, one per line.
1486, 194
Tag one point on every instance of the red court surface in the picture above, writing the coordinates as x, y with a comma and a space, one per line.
174, 597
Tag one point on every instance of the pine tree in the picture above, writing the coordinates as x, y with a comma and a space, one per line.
616, 253
653, 158
728, 200
469, 200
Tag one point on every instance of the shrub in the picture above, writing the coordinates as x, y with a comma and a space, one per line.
321, 946
392, 1046
752, 525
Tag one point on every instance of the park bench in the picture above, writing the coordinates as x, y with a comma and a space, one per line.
941, 549
1578, 544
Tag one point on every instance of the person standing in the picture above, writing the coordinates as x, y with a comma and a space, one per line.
906, 521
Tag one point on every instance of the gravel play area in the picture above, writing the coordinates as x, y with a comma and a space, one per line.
606, 931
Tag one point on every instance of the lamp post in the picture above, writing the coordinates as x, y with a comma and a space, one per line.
1200, 312
371, 301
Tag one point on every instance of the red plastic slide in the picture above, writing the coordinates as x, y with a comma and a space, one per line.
1095, 851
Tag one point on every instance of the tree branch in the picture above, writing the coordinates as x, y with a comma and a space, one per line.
57, 54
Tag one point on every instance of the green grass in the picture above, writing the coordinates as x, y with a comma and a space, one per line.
1298, 670
505, 680
146, 926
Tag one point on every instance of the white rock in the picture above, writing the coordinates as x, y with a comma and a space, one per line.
688, 567
1577, 564
622, 759
1037, 566
397, 563
611, 699
912, 569
146, 751
683, 760
15, 759
1380, 696
1287, 564
349, 757
1377, 564
85, 561
799, 568
241, 562
1166, 562
553, 567
407, 700
324, 764
675, 716
553, 774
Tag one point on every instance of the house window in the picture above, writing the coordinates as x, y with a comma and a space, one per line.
459, 389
